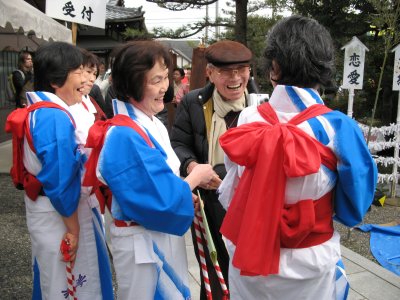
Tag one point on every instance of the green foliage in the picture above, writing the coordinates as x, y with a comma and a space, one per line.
368, 20
344, 18
135, 34
387, 19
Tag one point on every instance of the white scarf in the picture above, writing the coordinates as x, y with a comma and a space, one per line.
218, 125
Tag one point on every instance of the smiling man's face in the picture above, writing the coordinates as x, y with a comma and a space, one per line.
230, 80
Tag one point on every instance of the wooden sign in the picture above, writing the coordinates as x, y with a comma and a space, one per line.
354, 58
87, 12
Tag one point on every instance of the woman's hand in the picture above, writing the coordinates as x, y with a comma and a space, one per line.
204, 176
212, 184
69, 247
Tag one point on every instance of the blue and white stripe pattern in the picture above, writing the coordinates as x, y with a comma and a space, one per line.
356, 170
342, 285
169, 285
102, 256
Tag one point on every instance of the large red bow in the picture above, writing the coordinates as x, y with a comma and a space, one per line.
271, 153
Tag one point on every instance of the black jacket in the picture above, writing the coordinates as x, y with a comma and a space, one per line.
19, 81
188, 134
189, 141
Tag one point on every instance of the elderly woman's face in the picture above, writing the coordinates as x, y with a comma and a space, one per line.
156, 84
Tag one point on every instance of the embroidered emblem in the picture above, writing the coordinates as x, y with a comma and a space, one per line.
82, 279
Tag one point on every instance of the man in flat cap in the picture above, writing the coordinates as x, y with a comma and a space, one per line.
203, 116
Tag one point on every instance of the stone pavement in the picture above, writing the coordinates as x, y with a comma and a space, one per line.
368, 280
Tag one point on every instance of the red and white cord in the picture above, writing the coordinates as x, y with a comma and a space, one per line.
202, 256
70, 282
218, 271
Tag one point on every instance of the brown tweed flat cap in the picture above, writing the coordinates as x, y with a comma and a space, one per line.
227, 53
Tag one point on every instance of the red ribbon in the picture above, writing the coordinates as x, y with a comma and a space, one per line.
271, 153
65, 248
95, 140
17, 124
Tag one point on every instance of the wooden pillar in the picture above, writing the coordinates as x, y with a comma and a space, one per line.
74, 29
198, 76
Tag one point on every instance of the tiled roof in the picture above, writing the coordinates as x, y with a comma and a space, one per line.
183, 47
118, 13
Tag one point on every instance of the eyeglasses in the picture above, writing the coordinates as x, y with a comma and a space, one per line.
229, 72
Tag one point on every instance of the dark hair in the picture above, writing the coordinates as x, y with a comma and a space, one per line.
132, 61
181, 71
22, 57
89, 59
304, 51
52, 64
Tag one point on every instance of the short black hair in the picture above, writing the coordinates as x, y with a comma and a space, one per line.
304, 51
181, 71
89, 59
132, 61
52, 64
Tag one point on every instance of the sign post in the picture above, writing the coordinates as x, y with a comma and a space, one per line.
353, 73
86, 12
396, 87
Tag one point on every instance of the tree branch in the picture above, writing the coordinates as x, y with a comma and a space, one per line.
178, 5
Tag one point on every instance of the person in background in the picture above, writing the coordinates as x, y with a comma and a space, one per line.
186, 79
22, 75
90, 63
58, 209
28, 87
180, 89
290, 169
152, 206
103, 81
202, 117
101, 73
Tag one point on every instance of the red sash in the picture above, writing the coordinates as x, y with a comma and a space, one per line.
95, 140
257, 221
17, 124
99, 114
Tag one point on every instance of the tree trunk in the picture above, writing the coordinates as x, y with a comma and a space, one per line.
241, 21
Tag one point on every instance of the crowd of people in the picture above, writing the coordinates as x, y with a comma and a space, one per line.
272, 177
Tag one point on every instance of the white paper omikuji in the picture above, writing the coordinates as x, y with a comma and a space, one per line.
385, 130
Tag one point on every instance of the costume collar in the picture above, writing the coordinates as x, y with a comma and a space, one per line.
147, 124
292, 99
34, 97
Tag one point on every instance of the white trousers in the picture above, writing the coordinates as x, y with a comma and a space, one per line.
138, 267
46, 230
306, 274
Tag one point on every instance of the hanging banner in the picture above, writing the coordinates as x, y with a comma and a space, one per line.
396, 69
87, 12
354, 58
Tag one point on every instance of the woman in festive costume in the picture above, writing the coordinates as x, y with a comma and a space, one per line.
152, 206
46, 139
292, 165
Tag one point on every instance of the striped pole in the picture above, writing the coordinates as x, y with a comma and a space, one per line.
70, 282
64, 248
202, 256
221, 279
